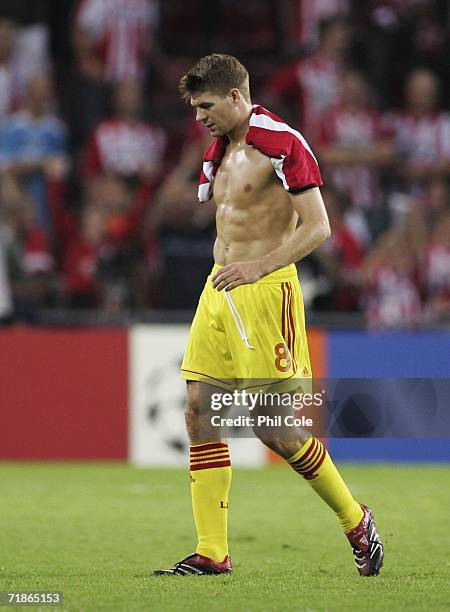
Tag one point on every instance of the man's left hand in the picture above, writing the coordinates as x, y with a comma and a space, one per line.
238, 273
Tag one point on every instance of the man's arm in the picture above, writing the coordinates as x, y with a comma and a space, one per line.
313, 230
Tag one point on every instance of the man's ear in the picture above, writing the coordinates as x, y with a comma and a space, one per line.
235, 95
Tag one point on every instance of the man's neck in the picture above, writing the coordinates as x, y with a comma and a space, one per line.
238, 133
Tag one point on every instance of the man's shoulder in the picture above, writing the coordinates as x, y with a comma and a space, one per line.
271, 134
258, 159
291, 157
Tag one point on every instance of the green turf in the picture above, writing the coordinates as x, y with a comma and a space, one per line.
95, 531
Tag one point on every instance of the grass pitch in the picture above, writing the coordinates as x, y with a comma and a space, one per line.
95, 531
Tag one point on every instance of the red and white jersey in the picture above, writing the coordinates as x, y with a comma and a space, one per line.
393, 300
309, 13
124, 148
421, 138
345, 248
437, 271
79, 267
121, 31
29, 57
36, 252
314, 80
364, 129
292, 159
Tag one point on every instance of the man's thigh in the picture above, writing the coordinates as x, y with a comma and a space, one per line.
207, 356
273, 318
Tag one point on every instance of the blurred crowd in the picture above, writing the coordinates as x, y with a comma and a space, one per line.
99, 158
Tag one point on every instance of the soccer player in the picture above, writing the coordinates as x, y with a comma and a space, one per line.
250, 321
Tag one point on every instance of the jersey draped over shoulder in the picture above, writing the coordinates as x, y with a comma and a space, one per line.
290, 154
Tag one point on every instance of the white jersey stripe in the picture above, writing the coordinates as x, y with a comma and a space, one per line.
208, 169
204, 192
277, 164
267, 123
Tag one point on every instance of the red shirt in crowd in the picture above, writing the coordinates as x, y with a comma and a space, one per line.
308, 14
314, 84
420, 139
79, 255
120, 32
37, 257
437, 271
393, 299
124, 148
363, 129
345, 248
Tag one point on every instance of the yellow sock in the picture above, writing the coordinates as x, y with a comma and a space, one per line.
313, 462
210, 471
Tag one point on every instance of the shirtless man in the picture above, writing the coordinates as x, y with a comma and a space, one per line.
249, 323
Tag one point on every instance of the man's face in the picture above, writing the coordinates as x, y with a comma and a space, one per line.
337, 38
216, 112
422, 92
353, 90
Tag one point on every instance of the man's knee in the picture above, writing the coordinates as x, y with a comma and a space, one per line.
198, 414
265, 437
284, 443
272, 442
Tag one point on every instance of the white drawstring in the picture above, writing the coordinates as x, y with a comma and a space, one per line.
238, 320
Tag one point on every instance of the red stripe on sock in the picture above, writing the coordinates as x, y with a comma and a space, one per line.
211, 453
312, 472
210, 458
304, 457
304, 467
209, 446
218, 449
212, 464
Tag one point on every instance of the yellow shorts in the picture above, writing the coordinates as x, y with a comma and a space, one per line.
253, 333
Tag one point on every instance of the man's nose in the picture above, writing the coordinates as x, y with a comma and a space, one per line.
201, 114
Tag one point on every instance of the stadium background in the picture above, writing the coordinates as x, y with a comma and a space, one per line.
99, 226
103, 253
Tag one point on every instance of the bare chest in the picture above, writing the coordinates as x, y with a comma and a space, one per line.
243, 175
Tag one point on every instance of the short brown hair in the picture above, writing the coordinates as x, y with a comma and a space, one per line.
217, 73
